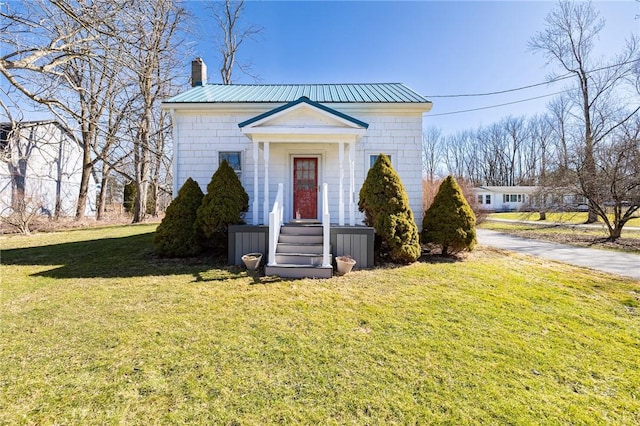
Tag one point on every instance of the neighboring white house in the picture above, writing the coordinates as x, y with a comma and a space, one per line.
514, 198
41, 162
504, 198
300, 136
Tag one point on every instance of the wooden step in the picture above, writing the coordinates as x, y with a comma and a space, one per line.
301, 230
300, 259
299, 271
299, 248
302, 239
305, 222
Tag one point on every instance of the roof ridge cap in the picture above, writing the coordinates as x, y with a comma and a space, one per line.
300, 84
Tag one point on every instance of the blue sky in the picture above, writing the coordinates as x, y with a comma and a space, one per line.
434, 47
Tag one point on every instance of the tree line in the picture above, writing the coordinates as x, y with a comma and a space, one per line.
585, 142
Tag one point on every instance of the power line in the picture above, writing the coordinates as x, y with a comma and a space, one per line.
553, 80
495, 106
499, 92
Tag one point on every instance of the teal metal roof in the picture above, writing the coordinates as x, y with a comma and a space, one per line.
278, 93
307, 101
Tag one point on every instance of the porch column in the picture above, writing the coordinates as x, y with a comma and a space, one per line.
256, 158
340, 186
352, 183
176, 152
265, 147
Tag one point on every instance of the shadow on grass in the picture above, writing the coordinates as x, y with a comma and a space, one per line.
438, 258
431, 253
125, 257
225, 273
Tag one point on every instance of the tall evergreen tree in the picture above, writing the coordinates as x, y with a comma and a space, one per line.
385, 204
225, 204
176, 235
450, 222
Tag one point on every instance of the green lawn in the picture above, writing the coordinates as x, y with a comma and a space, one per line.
96, 330
562, 217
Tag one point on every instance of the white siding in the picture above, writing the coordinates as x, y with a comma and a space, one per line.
52, 158
201, 135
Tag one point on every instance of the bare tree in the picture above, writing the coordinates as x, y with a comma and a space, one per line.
21, 214
540, 131
432, 151
16, 151
154, 63
568, 41
113, 148
102, 67
617, 182
456, 153
558, 117
515, 132
59, 65
231, 35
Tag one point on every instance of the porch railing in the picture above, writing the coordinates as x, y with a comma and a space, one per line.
326, 228
275, 222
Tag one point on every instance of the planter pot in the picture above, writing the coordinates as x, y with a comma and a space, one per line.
252, 260
344, 264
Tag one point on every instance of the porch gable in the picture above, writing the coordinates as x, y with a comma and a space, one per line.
307, 101
304, 121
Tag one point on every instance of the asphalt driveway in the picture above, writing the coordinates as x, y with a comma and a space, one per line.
625, 264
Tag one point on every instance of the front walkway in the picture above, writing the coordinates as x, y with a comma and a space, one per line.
613, 262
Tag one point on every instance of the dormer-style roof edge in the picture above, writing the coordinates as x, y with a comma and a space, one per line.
305, 100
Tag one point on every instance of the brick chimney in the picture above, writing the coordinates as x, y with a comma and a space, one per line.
198, 72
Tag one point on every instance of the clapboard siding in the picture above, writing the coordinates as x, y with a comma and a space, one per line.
202, 135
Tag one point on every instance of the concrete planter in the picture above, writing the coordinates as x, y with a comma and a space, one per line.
252, 260
344, 264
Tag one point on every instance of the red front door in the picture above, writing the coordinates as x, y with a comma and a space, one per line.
305, 188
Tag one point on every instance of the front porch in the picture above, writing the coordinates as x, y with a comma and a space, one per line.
355, 241
302, 144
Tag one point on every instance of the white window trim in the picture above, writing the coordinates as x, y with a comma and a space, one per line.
368, 154
242, 162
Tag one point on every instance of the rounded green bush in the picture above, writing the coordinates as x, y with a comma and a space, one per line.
225, 204
449, 221
385, 204
176, 235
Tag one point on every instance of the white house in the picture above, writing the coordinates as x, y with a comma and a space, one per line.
504, 198
41, 162
514, 198
287, 141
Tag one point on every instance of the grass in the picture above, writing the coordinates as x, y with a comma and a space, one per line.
572, 218
97, 330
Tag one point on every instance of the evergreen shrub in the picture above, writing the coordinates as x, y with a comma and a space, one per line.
130, 195
449, 222
224, 204
176, 236
385, 204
